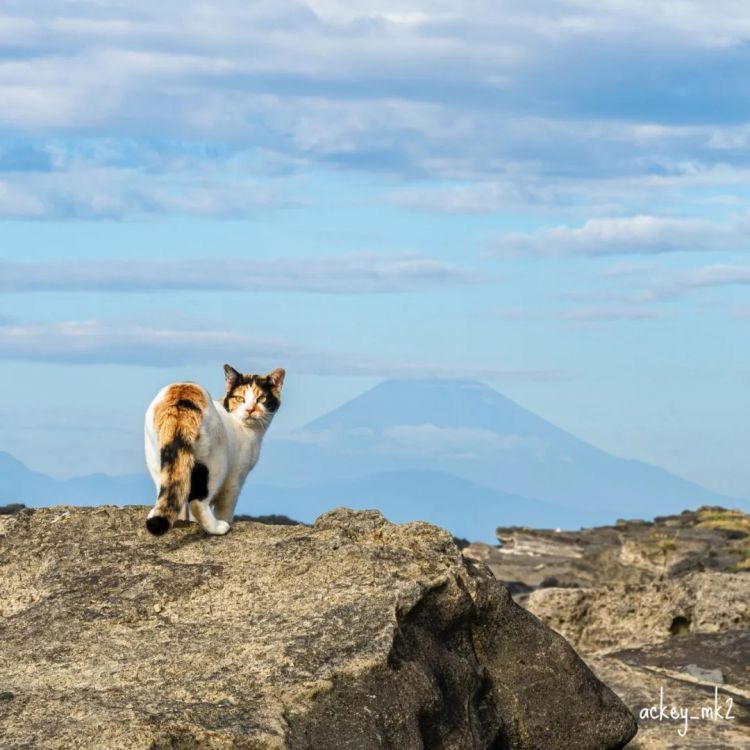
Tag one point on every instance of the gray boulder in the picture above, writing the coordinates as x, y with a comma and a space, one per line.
353, 633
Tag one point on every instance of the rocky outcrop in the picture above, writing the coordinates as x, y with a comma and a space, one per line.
629, 615
660, 610
353, 633
630, 552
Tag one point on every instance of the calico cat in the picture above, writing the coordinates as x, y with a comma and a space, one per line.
200, 451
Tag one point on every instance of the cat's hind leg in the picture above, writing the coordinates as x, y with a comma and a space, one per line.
202, 513
198, 501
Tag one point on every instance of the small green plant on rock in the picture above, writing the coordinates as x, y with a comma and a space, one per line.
664, 544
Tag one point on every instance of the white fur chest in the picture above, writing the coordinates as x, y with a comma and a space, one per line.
242, 446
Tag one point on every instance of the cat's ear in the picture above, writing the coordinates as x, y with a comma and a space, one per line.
277, 377
232, 376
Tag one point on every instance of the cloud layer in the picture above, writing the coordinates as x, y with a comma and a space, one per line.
93, 342
636, 235
648, 284
361, 273
115, 110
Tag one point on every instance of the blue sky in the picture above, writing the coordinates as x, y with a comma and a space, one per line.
551, 197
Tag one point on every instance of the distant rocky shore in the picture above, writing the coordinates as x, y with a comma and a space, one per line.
650, 605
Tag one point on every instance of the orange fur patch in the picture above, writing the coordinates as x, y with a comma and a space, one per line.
177, 418
170, 417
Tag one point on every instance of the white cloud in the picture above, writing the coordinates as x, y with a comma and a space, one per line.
586, 316
93, 342
19, 204
367, 72
649, 284
691, 20
434, 370
506, 95
591, 315
426, 88
85, 191
674, 284
357, 273
638, 172
641, 235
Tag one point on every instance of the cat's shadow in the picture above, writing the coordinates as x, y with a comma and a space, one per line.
189, 533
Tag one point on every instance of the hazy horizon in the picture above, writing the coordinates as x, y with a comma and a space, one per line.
452, 452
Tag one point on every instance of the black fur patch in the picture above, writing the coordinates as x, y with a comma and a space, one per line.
270, 400
170, 492
186, 403
199, 482
157, 525
170, 450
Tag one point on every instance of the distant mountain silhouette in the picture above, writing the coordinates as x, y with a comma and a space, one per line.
452, 452
467, 430
20, 484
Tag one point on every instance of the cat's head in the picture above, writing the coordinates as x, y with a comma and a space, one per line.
253, 399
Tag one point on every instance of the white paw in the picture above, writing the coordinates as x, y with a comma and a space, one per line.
220, 528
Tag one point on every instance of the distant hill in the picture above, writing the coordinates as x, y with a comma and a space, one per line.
19, 484
452, 452
468, 509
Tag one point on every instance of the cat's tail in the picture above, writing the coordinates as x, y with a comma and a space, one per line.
177, 421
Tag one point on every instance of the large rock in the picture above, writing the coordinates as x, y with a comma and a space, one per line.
629, 615
352, 634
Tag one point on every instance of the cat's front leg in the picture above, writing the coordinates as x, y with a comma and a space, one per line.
202, 513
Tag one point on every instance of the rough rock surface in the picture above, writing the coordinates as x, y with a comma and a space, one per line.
660, 610
354, 633
674, 635
625, 616
630, 552
654, 676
